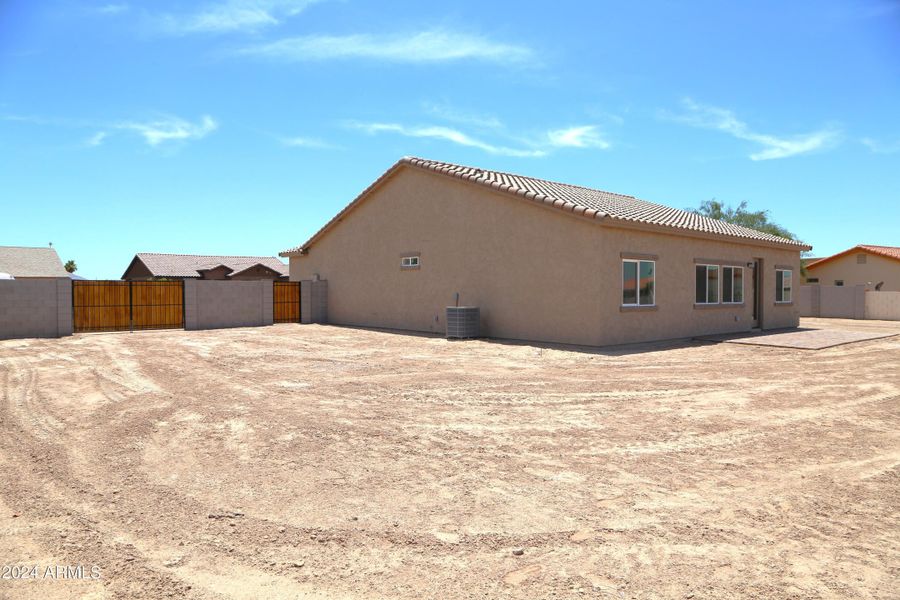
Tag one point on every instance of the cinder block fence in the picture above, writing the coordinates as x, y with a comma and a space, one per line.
44, 307
219, 304
848, 302
39, 308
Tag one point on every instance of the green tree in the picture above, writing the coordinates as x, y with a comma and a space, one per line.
740, 215
70, 266
758, 220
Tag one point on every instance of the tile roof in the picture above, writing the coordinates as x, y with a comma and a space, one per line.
20, 261
591, 203
885, 251
188, 265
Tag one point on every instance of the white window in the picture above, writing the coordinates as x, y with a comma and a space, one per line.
783, 280
707, 284
638, 283
409, 261
732, 285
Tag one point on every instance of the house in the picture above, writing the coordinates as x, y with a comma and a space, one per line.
22, 262
152, 265
876, 267
544, 261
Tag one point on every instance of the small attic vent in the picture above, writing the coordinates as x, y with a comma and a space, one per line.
860, 259
463, 322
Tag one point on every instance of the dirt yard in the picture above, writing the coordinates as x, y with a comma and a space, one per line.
321, 462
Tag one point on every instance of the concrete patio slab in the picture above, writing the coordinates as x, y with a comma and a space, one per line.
799, 338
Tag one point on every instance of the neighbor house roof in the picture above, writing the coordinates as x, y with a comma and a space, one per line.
20, 261
587, 202
190, 265
885, 251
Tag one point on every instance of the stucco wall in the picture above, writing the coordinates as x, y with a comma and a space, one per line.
210, 304
35, 308
883, 305
536, 273
876, 269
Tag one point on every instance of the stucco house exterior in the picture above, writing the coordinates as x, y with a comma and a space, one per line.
544, 261
876, 267
23, 262
147, 266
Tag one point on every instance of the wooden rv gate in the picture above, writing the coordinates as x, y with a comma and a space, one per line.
137, 305
127, 305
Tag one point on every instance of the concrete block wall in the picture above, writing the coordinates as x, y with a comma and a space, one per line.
39, 308
314, 301
808, 293
832, 301
883, 305
213, 304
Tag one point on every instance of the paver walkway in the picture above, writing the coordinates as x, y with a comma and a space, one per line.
800, 338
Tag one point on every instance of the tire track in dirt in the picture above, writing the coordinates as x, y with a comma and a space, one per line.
40, 485
386, 479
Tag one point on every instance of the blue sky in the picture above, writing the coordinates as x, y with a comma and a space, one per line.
240, 127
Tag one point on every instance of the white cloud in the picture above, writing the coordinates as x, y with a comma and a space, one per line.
449, 113
112, 9
447, 134
436, 45
96, 139
881, 147
165, 128
582, 136
233, 15
306, 142
711, 117
169, 129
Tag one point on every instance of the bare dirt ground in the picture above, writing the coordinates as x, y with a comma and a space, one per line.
322, 462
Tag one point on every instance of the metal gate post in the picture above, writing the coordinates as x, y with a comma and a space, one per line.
130, 306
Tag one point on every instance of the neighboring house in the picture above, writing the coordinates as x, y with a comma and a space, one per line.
31, 263
151, 265
871, 266
544, 261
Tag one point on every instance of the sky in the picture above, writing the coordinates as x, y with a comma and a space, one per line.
242, 126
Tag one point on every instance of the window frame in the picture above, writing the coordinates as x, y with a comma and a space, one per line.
637, 289
706, 280
780, 290
722, 295
410, 264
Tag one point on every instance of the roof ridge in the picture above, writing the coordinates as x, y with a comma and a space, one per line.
425, 162
483, 170
218, 255
32, 247
877, 246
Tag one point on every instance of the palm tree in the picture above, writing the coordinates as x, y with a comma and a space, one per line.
70, 266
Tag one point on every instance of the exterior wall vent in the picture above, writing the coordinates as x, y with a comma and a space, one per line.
463, 322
